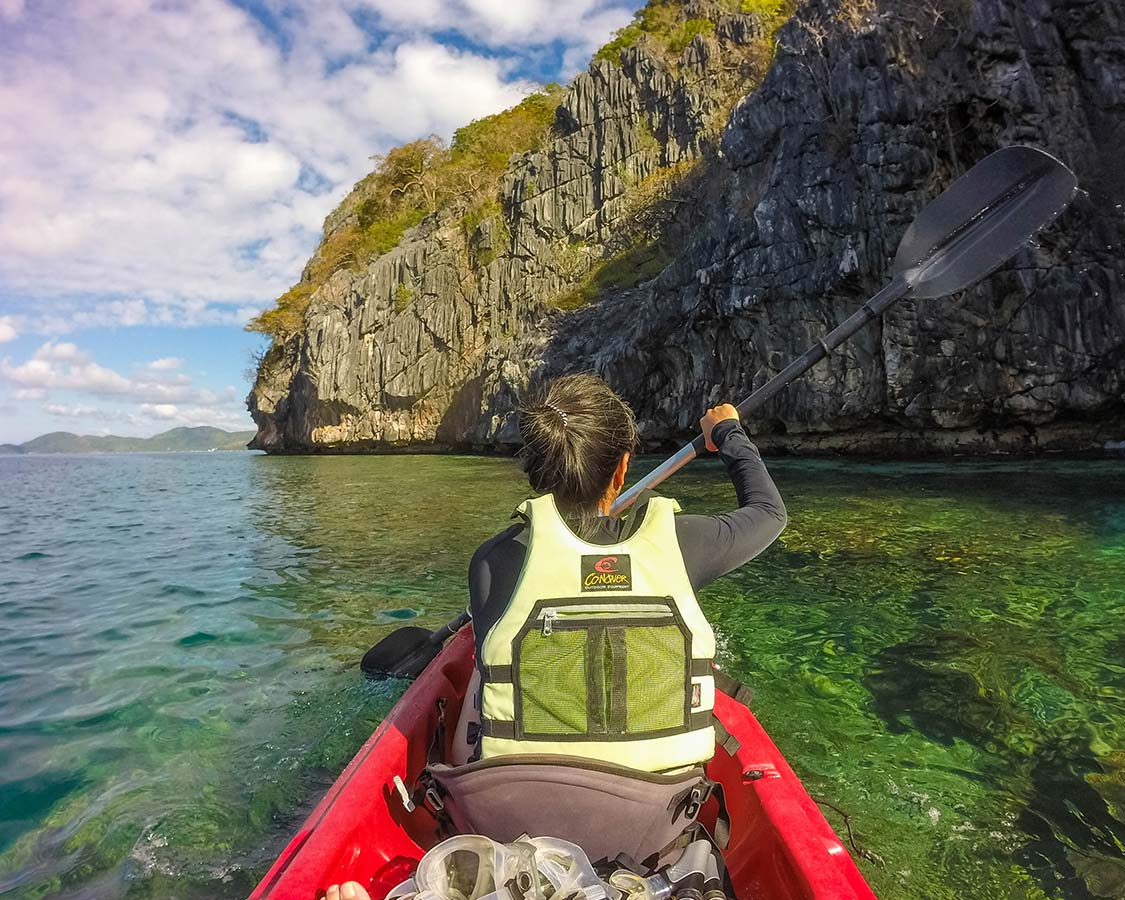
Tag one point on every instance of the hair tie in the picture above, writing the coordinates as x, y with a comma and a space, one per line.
553, 408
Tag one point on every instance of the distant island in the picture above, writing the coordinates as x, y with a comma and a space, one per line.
201, 438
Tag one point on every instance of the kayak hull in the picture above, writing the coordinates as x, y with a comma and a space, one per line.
781, 846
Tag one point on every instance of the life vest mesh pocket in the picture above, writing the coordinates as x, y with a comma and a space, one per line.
552, 682
656, 658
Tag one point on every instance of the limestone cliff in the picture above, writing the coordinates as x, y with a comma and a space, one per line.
688, 250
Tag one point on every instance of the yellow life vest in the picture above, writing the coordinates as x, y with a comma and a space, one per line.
602, 652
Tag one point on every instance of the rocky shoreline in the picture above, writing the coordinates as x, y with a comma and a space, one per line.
1087, 441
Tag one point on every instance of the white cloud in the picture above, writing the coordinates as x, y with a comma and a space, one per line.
60, 366
66, 382
53, 351
70, 315
73, 412
171, 415
146, 419
187, 173
11, 10
8, 330
160, 410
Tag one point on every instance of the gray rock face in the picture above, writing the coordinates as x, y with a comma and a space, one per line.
781, 232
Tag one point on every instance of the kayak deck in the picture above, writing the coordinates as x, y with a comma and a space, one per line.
781, 846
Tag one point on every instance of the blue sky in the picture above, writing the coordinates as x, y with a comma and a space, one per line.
165, 168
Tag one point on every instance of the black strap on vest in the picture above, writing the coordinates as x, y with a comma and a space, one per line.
739, 693
701, 667
497, 728
733, 688
496, 674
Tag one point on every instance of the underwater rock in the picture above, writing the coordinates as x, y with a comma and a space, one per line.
1110, 783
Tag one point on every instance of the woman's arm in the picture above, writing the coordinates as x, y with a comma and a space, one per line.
712, 546
493, 572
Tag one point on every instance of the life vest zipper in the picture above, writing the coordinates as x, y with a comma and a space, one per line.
551, 616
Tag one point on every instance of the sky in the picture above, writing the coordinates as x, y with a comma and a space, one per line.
166, 167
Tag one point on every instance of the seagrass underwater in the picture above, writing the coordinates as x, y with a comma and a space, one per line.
935, 647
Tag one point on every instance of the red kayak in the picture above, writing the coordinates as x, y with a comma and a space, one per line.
781, 847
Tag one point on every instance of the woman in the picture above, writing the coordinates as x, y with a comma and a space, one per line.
589, 639
578, 440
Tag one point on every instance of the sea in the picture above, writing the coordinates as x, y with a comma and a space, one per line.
938, 649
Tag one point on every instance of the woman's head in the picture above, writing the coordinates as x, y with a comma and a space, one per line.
576, 432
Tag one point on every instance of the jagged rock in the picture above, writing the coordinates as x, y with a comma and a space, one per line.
779, 233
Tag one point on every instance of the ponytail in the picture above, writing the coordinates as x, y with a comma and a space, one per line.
575, 432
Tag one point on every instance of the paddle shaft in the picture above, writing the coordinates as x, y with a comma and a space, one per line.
871, 310
451, 627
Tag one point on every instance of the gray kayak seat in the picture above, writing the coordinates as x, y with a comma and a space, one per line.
605, 809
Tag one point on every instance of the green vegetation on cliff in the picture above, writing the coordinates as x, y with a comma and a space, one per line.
640, 250
427, 176
408, 184
625, 270
663, 22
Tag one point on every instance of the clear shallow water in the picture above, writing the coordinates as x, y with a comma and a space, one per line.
939, 650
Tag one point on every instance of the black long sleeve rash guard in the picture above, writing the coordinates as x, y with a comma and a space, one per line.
711, 546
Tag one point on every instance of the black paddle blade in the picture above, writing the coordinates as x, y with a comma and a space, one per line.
402, 654
982, 219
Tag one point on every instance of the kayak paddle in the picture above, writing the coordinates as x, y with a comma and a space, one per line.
406, 652
976, 225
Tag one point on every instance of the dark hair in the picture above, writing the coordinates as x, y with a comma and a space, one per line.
575, 432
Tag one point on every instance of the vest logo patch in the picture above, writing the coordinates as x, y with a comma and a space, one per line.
696, 695
607, 573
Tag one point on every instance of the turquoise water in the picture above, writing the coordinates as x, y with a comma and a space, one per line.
939, 650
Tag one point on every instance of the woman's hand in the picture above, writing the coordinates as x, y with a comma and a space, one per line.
713, 417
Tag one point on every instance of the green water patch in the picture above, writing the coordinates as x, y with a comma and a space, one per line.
939, 663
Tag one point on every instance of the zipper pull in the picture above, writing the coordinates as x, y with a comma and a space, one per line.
549, 616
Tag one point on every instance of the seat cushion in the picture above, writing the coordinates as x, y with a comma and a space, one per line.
604, 809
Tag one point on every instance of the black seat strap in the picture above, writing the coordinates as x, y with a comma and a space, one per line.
725, 739
436, 751
721, 834
688, 803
